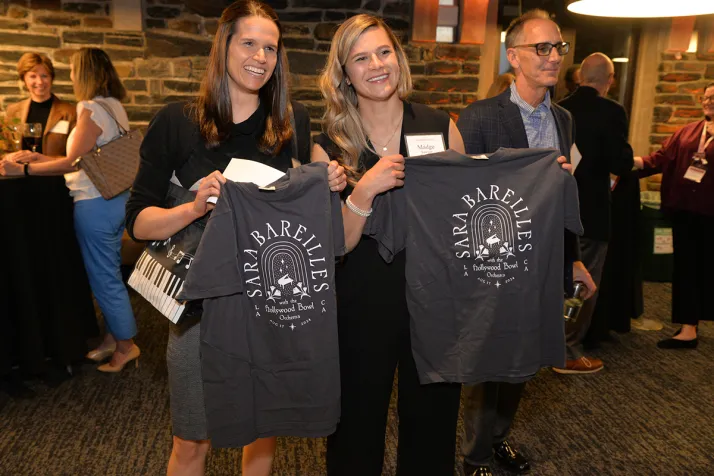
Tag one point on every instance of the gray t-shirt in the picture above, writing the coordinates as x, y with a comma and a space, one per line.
265, 271
484, 252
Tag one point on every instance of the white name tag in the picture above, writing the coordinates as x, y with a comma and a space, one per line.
695, 174
62, 127
422, 144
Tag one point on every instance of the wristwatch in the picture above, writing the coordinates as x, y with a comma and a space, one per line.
26, 169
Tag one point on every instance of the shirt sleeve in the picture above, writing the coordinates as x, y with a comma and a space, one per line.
654, 163
469, 127
338, 228
216, 269
155, 168
572, 206
387, 224
618, 149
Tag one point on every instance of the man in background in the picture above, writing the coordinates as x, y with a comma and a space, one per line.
572, 80
602, 129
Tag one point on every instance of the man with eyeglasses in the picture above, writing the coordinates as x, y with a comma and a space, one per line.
602, 127
688, 199
523, 116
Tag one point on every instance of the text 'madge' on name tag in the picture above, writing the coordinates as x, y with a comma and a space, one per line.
422, 144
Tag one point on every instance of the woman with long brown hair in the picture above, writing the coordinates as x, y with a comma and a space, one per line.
243, 110
365, 84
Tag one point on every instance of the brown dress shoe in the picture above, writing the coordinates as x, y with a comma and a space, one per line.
583, 365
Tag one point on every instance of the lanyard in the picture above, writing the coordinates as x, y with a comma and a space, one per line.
702, 144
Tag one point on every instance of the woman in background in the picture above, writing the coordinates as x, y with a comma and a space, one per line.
46, 307
685, 161
500, 84
99, 223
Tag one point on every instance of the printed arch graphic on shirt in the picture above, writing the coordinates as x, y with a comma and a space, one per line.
286, 275
493, 232
284, 271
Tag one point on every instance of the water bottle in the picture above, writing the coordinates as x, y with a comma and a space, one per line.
574, 303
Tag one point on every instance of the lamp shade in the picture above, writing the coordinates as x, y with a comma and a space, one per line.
642, 8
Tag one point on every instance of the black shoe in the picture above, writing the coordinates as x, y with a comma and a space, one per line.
678, 343
16, 388
55, 376
471, 470
510, 459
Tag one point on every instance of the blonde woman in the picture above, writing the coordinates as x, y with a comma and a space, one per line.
99, 223
365, 83
500, 84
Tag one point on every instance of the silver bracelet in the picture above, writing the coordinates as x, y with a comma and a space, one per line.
356, 210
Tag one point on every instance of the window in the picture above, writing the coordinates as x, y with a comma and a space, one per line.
448, 22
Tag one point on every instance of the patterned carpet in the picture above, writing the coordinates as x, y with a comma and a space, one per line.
646, 413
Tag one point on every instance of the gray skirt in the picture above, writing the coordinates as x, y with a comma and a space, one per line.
188, 414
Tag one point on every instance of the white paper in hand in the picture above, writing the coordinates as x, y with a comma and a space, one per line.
575, 156
242, 170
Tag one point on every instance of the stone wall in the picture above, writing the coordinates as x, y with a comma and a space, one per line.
681, 82
165, 60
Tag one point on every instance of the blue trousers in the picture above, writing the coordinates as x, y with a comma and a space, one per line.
99, 225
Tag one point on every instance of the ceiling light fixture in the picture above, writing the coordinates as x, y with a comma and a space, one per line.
642, 8
620, 60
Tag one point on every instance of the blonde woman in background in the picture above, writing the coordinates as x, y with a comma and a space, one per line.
500, 84
99, 223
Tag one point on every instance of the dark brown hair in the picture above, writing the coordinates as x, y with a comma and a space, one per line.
516, 26
30, 60
212, 109
95, 75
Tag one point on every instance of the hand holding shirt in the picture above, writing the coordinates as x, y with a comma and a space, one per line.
484, 269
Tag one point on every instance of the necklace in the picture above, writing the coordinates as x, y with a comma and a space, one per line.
384, 147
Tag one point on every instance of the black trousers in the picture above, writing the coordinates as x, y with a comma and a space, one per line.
692, 280
489, 410
374, 342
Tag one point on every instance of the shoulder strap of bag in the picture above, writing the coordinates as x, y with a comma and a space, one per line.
122, 130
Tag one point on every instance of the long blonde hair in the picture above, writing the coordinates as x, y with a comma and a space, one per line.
342, 122
95, 75
501, 83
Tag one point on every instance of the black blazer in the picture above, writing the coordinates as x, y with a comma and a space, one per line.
496, 122
602, 140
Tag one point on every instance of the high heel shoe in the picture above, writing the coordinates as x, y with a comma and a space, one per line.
133, 354
99, 354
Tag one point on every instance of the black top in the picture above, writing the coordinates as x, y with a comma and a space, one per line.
173, 144
602, 140
418, 119
39, 112
363, 272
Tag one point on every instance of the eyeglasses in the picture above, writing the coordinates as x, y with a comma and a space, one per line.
544, 49
704, 99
